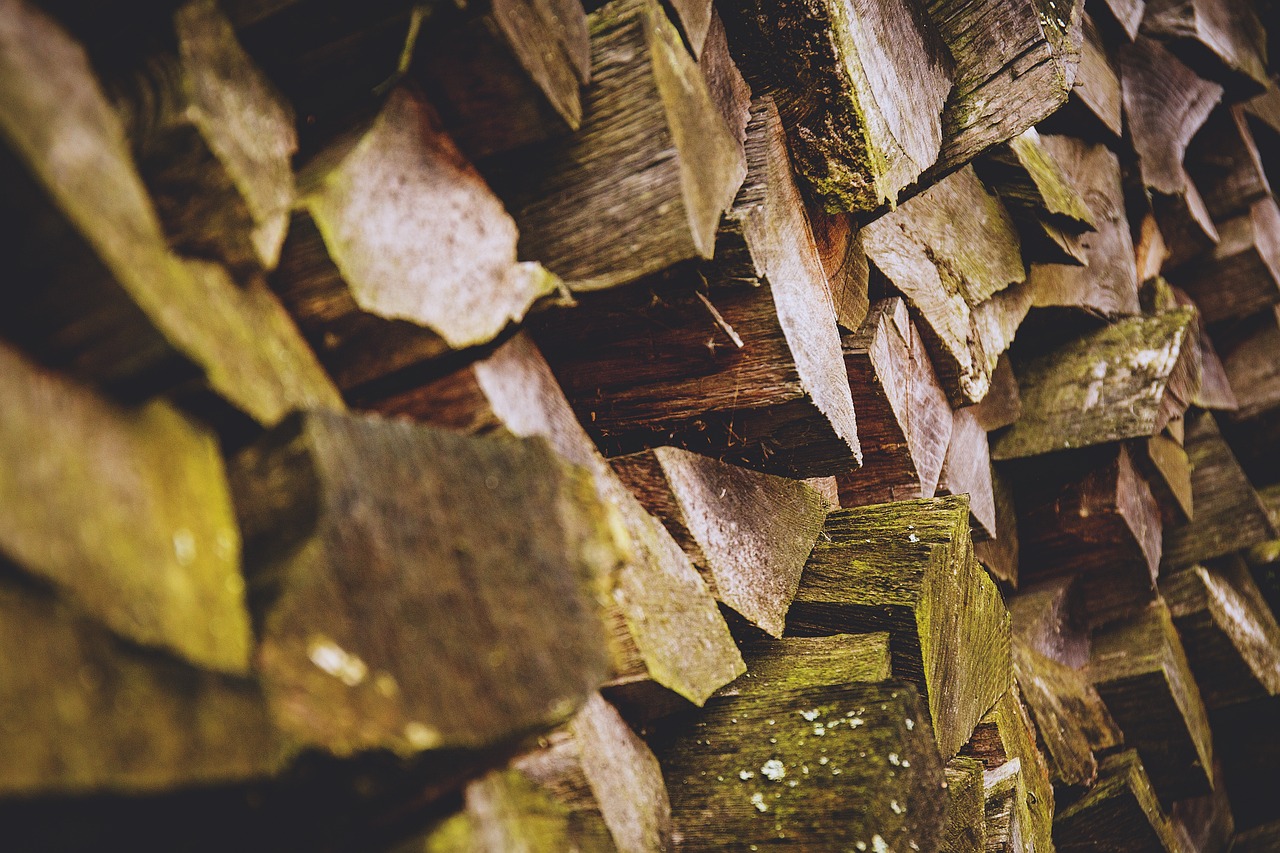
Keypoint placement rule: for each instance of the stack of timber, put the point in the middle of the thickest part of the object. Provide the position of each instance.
(548, 425)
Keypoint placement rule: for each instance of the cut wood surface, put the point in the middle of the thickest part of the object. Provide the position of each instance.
(1003, 403)
(1120, 813)
(789, 663)
(1224, 41)
(1241, 275)
(1096, 97)
(967, 471)
(966, 830)
(1253, 380)
(1224, 162)
(1001, 554)
(1047, 618)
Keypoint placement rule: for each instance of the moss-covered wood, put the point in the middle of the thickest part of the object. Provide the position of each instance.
(791, 663)
(388, 619)
(102, 295)
(748, 533)
(1141, 672)
(667, 630)
(840, 766)
(1029, 179)
(966, 830)
(904, 422)
(126, 511)
(908, 568)
(1120, 814)
(860, 87)
(1105, 386)
(650, 171)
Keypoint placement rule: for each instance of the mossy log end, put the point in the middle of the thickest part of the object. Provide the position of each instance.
(791, 663)
(1120, 814)
(373, 588)
(908, 568)
(748, 533)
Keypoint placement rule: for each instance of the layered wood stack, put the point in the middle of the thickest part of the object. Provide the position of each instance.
(515, 426)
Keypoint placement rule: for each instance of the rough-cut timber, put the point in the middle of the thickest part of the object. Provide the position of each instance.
(126, 511)
(860, 87)
(1107, 385)
(373, 270)
(1229, 515)
(790, 663)
(1241, 275)
(1224, 162)
(1015, 64)
(593, 786)
(1223, 40)
(908, 568)
(1108, 283)
(904, 422)
(729, 90)
(1228, 631)
(947, 251)
(966, 830)
(213, 143)
(748, 533)
(503, 73)
(103, 295)
(1252, 375)
(667, 630)
(1140, 670)
(739, 359)
(967, 471)
(1120, 814)
(388, 618)
(1003, 404)
(1165, 103)
(836, 767)
(79, 703)
(649, 173)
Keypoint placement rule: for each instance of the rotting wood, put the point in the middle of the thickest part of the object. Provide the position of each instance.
(748, 533)
(908, 568)
(1120, 814)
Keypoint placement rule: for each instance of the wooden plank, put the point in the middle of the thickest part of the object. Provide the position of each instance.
(1120, 813)
(749, 534)
(908, 568)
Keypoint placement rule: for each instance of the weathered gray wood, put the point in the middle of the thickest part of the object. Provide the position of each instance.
(947, 251)
(126, 511)
(860, 87)
(1222, 40)
(1140, 670)
(967, 471)
(1105, 386)
(1128, 14)
(840, 766)
(650, 171)
(1119, 815)
(966, 818)
(908, 568)
(1241, 275)
(729, 90)
(388, 618)
(904, 422)
(750, 374)
(667, 629)
(748, 533)
(1096, 99)
(101, 294)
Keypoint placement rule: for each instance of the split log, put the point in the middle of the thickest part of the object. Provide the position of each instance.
(1229, 516)
(373, 269)
(1222, 40)
(1019, 793)
(1120, 814)
(650, 171)
(1094, 108)
(967, 471)
(749, 374)
(1108, 284)
(947, 251)
(213, 142)
(1224, 163)
(860, 87)
(1015, 64)
(1167, 470)
(694, 17)
(387, 618)
(593, 786)
(904, 422)
(1115, 383)
(1001, 553)
(101, 293)
(908, 568)
(966, 830)
(1241, 275)
(841, 766)
(826, 486)
(668, 632)
(1252, 375)
(749, 534)
(729, 90)
(791, 663)
(1093, 515)
(1003, 404)
(1166, 103)
(1141, 672)
(126, 511)
(1215, 386)
(78, 702)
(1128, 14)
(1229, 633)
(1070, 717)
(1048, 619)
(1151, 250)
(1259, 839)
(844, 260)
(503, 74)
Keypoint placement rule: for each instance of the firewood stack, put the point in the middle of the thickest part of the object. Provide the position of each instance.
(513, 426)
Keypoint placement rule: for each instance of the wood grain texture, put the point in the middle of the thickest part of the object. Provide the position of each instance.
(966, 830)
(1001, 554)
(651, 169)
(904, 422)
(1030, 180)
(777, 665)
(1097, 90)
(967, 471)
(1048, 618)
(1120, 813)
(1253, 379)
(1241, 275)
(860, 87)
(1003, 403)
(1223, 41)
(844, 260)
(908, 568)
(748, 533)
(126, 511)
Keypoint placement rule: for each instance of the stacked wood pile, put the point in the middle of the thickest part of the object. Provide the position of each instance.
(507, 425)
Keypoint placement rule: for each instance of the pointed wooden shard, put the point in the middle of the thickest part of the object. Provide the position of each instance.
(1223, 40)
(1120, 814)
(967, 471)
(1241, 275)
